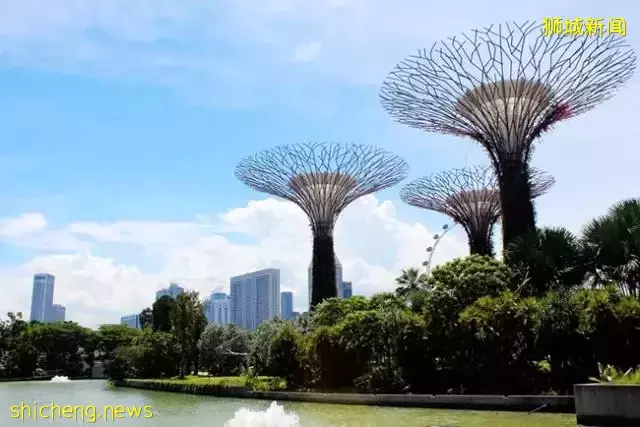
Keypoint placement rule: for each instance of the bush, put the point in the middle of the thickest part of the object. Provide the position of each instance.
(286, 355)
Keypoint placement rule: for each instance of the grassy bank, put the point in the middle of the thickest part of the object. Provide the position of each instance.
(238, 382)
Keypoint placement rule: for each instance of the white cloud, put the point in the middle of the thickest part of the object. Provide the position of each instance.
(185, 44)
(24, 224)
(306, 52)
(372, 243)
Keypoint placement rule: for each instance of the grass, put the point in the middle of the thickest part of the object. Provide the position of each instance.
(198, 380)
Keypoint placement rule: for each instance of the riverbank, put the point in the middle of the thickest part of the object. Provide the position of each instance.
(553, 404)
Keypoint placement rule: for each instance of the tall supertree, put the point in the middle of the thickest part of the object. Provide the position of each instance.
(504, 86)
(322, 179)
(470, 196)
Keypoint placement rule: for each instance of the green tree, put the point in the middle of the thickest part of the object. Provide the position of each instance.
(63, 345)
(146, 318)
(18, 356)
(546, 259)
(223, 349)
(260, 346)
(286, 355)
(454, 286)
(410, 280)
(333, 310)
(189, 321)
(563, 340)
(110, 337)
(504, 328)
(161, 313)
(612, 246)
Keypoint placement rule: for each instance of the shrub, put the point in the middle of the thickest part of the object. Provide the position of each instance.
(286, 355)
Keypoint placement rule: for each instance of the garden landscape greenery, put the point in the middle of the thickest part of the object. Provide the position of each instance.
(560, 309)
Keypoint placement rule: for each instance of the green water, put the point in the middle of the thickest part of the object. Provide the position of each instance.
(178, 410)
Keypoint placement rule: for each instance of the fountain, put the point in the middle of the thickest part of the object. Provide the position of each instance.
(60, 379)
(273, 416)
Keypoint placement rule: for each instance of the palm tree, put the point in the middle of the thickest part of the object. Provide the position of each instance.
(612, 247)
(410, 280)
(548, 258)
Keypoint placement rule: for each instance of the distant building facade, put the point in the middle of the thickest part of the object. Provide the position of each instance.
(131, 320)
(347, 289)
(255, 298)
(219, 309)
(58, 313)
(339, 291)
(42, 297)
(286, 305)
(172, 291)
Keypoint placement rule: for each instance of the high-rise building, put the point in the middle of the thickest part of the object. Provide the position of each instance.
(42, 297)
(131, 320)
(286, 305)
(219, 308)
(347, 289)
(58, 313)
(255, 298)
(172, 291)
(338, 279)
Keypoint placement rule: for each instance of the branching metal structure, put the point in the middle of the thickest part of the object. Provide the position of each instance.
(470, 196)
(322, 179)
(504, 86)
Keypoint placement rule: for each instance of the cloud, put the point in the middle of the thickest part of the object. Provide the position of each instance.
(24, 224)
(232, 47)
(372, 243)
(306, 52)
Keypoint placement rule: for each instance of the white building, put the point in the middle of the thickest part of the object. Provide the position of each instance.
(172, 291)
(339, 290)
(42, 297)
(58, 313)
(255, 298)
(219, 309)
(131, 320)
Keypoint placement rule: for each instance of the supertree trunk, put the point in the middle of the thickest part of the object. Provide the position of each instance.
(480, 244)
(518, 214)
(323, 269)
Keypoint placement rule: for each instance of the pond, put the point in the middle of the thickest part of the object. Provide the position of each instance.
(100, 400)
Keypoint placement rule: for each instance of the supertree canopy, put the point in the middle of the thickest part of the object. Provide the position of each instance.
(504, 86)
(470, 196)
(322, 178)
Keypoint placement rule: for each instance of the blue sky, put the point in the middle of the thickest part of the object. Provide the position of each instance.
(121, 123)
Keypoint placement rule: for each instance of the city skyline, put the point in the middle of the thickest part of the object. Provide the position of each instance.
(121, 134)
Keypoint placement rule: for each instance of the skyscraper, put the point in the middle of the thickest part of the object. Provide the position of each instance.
(58, 313)
(338, 278)
(255, 298)
(286, 305)
(219, 307)
(42, 297)
(347, 289)
(131, 320)
(172, 291)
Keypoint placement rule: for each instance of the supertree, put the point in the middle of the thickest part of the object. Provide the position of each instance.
(504, 86)
(470, 197)
(322, 179)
